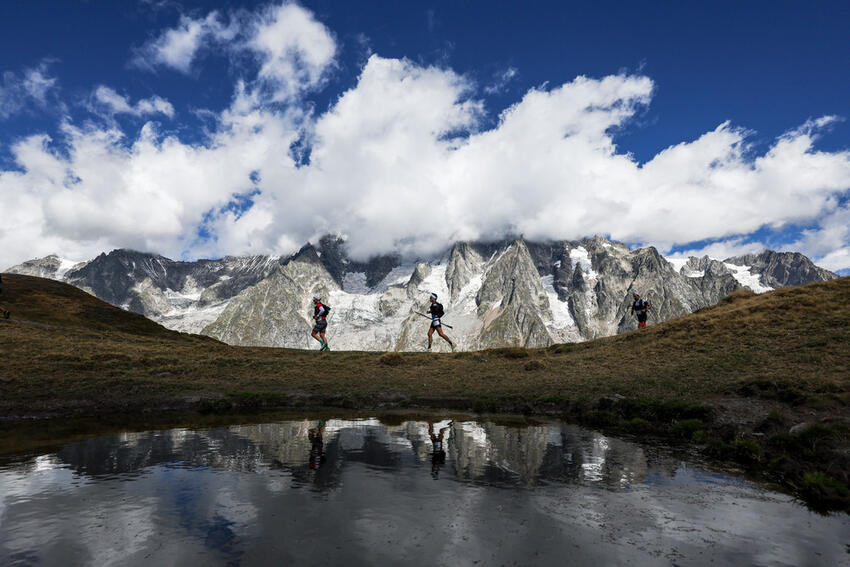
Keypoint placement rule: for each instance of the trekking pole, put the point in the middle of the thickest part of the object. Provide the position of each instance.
(429, 317)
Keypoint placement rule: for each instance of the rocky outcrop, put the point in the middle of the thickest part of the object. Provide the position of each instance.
(780, 269)
(511, 301)
(52, 267)
(157, 286)
(277, 311)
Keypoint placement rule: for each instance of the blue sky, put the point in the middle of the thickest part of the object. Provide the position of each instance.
(696, 123)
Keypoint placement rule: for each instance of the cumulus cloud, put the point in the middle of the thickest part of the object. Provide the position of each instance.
(113, 103)
(292, 49)
(401, 163)
(829, 242)
(177, 47)
(17, 91)
(295, 50)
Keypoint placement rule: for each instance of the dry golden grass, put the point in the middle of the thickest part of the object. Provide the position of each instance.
(66, 351)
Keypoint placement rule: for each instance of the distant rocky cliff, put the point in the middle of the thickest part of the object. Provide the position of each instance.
(510, 293)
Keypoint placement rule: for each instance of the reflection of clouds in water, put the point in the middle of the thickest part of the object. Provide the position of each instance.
(44, 474)
(229, 505)
(216, 497)
(124, 529)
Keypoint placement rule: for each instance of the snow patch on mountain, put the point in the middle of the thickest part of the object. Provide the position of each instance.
(581, 258)
(561, 318)
(746, 278)
(681, 266)
(466, 298)
(355, 282)
(678, 263)
(397, 276)
(191, 319)
(66, 265)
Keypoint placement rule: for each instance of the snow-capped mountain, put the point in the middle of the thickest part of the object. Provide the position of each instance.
(52, 267)
(495, 294)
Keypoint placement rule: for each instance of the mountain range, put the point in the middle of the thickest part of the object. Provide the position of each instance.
(508, 293)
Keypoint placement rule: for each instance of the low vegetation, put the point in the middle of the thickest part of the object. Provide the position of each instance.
(732, 379)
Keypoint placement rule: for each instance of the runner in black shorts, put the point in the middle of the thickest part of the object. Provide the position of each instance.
(320, 315)
(436, 311)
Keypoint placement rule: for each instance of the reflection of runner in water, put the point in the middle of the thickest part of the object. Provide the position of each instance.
(317, 445)
(438, 457)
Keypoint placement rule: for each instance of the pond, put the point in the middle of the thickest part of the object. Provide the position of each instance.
(373, 492)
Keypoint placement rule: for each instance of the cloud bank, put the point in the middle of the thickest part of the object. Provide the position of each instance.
(401, 163)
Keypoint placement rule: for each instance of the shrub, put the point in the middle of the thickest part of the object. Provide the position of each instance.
(514, 352)
(686, 428)
(747, 452)
(391, 359)
(639, 425)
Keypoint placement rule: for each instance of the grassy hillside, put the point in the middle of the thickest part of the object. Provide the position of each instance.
(62, 344)
(733, 377)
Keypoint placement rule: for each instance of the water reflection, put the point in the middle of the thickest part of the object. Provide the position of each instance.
(360, 492)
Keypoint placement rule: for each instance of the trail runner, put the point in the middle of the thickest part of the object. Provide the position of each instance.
(640, 306)
(320, 315)
(436, 311)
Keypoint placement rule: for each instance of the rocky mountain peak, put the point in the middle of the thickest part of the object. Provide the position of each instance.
(779, 269)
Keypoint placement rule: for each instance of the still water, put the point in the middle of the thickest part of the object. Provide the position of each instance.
(363, 492)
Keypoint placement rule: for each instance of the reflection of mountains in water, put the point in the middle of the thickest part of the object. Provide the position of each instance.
(477, 451)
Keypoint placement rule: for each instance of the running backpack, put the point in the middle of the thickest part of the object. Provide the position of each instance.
(438, 308)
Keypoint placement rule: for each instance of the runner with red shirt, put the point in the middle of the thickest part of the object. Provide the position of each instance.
(320, 315)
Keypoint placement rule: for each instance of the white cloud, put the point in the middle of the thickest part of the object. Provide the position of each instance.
(723, 249)
(295, 50)
(292, 49)
(829, 243)
(19, 91)
(114, 103)
(177, 47)
(400, 163)
(501, 81)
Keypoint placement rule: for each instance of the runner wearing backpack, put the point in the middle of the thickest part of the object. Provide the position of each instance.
(320, 315)
(641, 306)
(436, 311)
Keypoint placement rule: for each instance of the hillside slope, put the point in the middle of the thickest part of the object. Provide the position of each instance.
(49, 302)
(790, 339)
